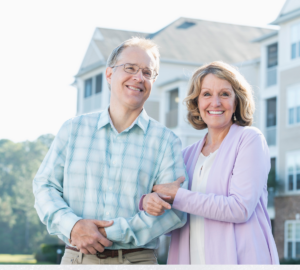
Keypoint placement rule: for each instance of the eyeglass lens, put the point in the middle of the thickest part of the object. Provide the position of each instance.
(133, 69)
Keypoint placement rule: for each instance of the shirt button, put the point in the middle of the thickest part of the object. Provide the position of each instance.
(107, 213)
(114, 162)
(110, 188)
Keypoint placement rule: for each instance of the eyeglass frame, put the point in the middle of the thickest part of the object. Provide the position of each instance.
(138, 70)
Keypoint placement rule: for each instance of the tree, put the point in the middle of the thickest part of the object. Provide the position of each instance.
(21, 230)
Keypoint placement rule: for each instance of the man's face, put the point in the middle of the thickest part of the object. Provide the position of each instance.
(131, 90)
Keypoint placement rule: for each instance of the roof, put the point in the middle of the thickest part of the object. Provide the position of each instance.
(288, 6)
(287, 17)
(190, 42)
(267, 36)
(90, 68)
(200, 41)
(113, 37)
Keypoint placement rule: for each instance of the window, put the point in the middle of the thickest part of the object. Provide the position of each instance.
(172, 114)
(272, 62)
(293, 171)
(271, 112)
(271, 121)
(174, 100)
(293, 100)
(99, 83)
(295, 41)
(272, 55)
(292, 239)
(88, 87)
(272, 183)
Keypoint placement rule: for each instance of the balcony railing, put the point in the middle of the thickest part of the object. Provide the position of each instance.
(271, 135)
(271, 76)
(172, 118)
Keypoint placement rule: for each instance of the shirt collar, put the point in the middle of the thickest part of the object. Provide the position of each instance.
(142, 120)
(104, 118)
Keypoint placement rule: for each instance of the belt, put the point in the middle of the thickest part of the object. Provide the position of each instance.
(110, 252)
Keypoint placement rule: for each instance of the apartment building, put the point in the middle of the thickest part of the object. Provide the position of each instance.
(280, 122)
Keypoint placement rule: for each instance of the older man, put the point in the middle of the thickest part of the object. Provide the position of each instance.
(88, 187)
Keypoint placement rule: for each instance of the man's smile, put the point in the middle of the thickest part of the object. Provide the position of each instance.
(134, 88)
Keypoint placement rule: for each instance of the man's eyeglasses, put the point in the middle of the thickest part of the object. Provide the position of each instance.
(134, 69)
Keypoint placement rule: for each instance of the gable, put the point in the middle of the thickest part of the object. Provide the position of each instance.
(98, 35)
(92, 56)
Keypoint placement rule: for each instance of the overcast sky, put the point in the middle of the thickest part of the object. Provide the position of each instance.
(43, 43)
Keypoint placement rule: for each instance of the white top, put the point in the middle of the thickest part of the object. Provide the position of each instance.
(201, 172)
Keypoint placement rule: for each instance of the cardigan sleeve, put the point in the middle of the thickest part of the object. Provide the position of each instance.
(248, 180)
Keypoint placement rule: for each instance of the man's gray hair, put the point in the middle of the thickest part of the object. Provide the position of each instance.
(143, 43)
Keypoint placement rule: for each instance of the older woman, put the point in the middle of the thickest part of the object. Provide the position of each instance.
(228, 171)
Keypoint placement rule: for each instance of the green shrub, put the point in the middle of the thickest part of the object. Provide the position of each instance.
(48, 253)
(290, 261)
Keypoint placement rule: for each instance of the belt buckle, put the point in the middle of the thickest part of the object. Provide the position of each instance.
(98, 255)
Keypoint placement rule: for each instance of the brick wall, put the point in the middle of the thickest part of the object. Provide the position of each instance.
(285, 209)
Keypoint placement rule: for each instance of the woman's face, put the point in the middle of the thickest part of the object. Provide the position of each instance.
(216, 102)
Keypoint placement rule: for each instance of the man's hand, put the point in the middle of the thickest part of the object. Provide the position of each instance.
(169, 189)
(155, 205)
(87, 236)
(102, 231)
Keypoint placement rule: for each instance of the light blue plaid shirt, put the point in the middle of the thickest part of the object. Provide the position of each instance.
(93, 172)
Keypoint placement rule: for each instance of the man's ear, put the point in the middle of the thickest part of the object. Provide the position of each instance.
(108, 74)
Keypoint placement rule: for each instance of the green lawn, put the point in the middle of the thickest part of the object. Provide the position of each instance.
(19, 259)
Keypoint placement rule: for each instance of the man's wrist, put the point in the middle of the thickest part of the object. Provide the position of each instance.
(76, 223)
(141, 208)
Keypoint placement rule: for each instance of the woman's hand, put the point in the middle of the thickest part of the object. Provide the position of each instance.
(169, 189)
(155, 205)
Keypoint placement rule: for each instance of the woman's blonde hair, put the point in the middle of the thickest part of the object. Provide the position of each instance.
(245, 106)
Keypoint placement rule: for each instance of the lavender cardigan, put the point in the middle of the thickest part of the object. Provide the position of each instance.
(237, 226)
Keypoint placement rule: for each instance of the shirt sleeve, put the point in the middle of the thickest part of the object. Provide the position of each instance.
(247, 183)
(142, 228)
(52, 209)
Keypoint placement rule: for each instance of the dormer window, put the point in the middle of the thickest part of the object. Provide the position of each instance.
(185, 25)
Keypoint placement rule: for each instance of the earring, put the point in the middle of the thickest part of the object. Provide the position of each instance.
(200, 117)
(234, 117)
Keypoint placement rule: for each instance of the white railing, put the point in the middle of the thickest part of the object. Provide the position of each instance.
(271, 135)
(91, 103)
(271, 76)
